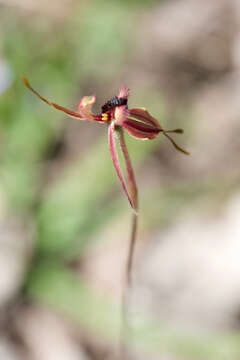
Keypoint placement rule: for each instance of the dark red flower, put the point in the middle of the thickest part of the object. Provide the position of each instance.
(116, 114)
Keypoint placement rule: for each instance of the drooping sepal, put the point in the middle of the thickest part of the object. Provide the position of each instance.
(116, 164)
(131, 182)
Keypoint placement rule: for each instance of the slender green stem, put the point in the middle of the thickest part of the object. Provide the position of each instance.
(132, 187)
(131, 249)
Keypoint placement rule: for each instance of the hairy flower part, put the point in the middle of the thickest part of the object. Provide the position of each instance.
(124, 92)
(115, 113)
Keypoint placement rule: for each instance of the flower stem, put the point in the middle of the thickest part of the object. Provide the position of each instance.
(131, 249)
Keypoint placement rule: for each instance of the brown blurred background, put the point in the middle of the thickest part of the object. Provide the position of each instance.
(64, 221)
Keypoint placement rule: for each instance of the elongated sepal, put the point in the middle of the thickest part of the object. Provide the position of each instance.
(179, 148)
(176, 131)
(116, 164)
(67, 111)
(131, 182)
(148, 127)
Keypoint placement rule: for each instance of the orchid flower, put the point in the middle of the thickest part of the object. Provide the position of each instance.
(116, 114)
(139, 124)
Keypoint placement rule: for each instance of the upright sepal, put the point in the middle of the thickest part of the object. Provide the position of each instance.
(124, 92)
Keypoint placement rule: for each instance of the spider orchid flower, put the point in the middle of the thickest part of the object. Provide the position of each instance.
(116, 114)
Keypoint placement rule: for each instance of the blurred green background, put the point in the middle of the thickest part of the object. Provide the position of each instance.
(64, 220)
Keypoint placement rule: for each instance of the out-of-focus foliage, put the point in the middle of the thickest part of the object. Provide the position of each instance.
(56, 175)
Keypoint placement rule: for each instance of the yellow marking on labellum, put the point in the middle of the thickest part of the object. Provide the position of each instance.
(104, 117)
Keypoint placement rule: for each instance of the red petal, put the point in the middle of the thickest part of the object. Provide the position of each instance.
(147, 120)
(144, 116)
(67, 111)
(86, 102)
(114, 155)
(140, 130)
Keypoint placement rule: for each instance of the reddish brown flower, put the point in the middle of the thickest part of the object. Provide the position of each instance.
(116, 114)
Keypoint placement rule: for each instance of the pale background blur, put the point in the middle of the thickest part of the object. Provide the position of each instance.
(64, 221)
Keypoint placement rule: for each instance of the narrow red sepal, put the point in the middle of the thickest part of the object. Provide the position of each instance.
(67, 111)
(115, 159)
